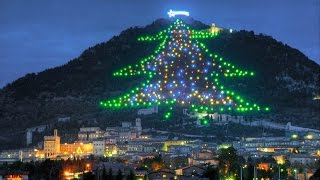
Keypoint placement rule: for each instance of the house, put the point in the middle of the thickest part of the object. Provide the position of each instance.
(90, 133)
(162, 174)
(190, 171)
(99, 147)
(126, 132)
(30, 132)
(203, 156)
(114, 167)
(19, 175)
(148, 111)
(179, 149)
(302, 159)
(76, 148)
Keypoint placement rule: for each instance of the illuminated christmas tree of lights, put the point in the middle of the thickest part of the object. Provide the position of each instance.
(182, 71)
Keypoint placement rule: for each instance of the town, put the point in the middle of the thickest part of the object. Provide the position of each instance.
(234, 96)
(145, 153)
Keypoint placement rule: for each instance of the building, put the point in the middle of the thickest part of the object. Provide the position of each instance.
(14, 175)
(29, 137)
(64, 119)
(175, 161)
(30, 131)
(23, 155)
(135, 147)
(139, 146)
(111, 139)
(138, 127)
(179, 149)
(302, 159)
(149, 148)
(99, 147)
(90, 133)
(125, 133)
(266, 144)
(141, 157)
(76, 148)
(172, 143)
(111, 132)
(148, 111)
(291, 128)
(264, 166)
(52, 145)
(111, 150)
(203, 156)
(215, 29)
(114, 167)
(190, 171)
(163, 174)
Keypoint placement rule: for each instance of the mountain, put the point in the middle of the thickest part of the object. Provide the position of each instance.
(286, 80)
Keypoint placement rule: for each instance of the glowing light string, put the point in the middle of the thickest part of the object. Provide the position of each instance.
(172, 13)
(182, 71)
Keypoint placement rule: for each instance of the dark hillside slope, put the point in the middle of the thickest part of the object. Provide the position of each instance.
(286, 80)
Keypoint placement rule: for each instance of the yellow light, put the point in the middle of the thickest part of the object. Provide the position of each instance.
(309, 136)
(280, 160)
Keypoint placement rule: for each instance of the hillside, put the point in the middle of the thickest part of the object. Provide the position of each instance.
(285, 79)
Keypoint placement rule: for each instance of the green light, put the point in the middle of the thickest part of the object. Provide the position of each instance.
(219, 68)
(224, 146)
(294, 136)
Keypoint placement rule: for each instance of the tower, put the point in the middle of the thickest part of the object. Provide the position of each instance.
(55, 132)
(29, 137)
(138, 126)
(52, 145)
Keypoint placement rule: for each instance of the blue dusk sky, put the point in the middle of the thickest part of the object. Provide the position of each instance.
(40, 34)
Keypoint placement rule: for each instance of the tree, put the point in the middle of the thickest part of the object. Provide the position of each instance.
(88, 176)
(153, 163)
(104, 173)
(183, 72)
(228, 161)
(131, 175)
(110, 175)
(119, 175)
(250, 171)
(211, 173)
(316, 175)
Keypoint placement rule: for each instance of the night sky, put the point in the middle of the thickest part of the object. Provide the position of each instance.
(35, 35)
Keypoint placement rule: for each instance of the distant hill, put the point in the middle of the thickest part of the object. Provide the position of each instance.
(286, 80)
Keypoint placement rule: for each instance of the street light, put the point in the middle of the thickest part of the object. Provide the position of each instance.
(241, 169)
(280, 170)
(295, 173)
(255, 172)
